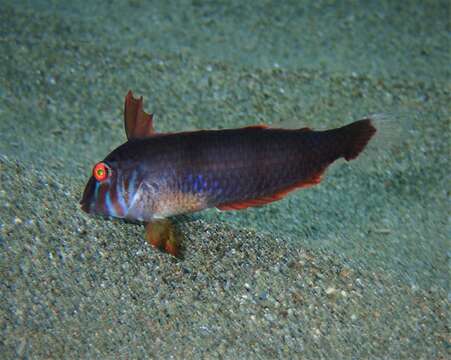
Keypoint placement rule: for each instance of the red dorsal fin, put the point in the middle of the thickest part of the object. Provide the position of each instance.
(256, 126)
(263, 126)
(240, 205)
(138, 124)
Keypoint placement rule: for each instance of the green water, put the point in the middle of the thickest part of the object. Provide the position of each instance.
(65, 69)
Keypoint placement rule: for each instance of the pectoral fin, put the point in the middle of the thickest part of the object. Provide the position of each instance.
(162, 235)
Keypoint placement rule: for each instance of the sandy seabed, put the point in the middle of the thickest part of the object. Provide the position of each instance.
(354, 268)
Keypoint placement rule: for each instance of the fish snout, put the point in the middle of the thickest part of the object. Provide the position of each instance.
(88, 195)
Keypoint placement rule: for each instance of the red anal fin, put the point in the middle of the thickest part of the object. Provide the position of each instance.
(240, 205)
(138, 124)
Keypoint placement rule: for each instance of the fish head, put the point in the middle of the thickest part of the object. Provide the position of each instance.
(117, 188)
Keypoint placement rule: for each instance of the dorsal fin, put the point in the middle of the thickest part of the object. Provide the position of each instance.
(263, 126)
(257, 126)
(137, 123)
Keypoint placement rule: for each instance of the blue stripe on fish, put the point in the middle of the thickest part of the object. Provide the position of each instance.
(195, 186)
(132, 187)
(120, 198)
(199, 184)
(96, 194)
(109, 204)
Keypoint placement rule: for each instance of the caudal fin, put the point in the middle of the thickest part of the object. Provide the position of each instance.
(356, 136)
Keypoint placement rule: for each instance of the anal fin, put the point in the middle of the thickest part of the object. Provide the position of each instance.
(280, 194)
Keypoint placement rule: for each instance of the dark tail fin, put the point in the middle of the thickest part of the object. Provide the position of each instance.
(356, 136)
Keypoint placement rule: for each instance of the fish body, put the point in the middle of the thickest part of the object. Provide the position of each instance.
(170, 174)
(155, 176)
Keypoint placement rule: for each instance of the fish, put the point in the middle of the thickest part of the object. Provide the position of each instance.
(153, 176)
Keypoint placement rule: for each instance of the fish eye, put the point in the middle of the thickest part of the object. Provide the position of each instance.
(101, 171)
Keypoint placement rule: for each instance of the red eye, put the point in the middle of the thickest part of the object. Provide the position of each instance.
(101, 171)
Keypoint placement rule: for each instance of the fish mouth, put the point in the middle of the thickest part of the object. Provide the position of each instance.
(85, 207)
(86, 199)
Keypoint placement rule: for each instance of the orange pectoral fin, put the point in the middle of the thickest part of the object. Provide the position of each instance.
(138, 124)
(162, 235)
